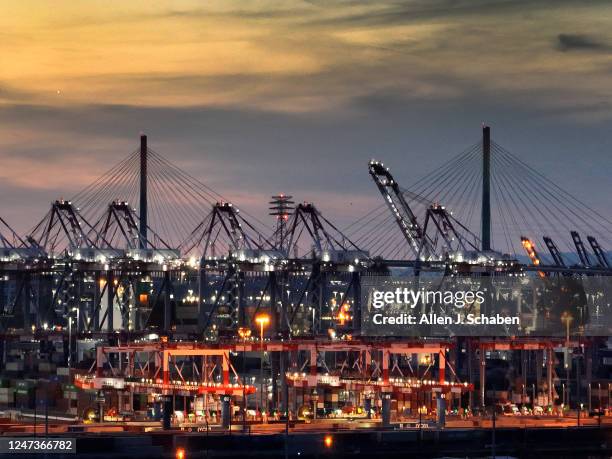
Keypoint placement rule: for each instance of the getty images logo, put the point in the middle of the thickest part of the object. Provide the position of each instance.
(411, 298)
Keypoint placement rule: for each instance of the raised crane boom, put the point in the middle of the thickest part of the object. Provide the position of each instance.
(581, 249)
(400, 209)
(554, 251)
(599, 252)
(530, 248)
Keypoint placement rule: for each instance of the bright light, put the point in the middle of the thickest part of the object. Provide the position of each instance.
(262, 319)
(566, 317)
(180, 453)
(329, 441)
(244, 332)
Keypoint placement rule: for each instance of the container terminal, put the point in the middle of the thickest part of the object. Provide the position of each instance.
(150, 311)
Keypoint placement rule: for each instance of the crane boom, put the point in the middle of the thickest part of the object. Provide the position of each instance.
(581, 249)
(554, 251)
(599, 252)
(404, 217)
(529, 247)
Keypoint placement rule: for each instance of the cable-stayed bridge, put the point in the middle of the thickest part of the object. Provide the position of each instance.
(147, 246)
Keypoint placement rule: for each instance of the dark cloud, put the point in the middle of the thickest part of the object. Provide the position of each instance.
(419, 10)
(581, 42)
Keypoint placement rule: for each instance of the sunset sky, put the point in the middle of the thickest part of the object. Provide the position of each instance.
(261, 97)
